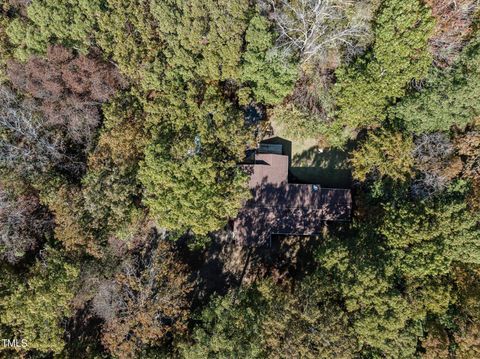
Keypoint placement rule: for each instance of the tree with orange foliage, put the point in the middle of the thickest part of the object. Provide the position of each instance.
(145, 301)
(454, 20)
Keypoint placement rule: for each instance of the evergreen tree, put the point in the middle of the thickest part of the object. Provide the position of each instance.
(190, 171)
(271, 76)
(34, 308)
(69, 23)
(399, 54)
(385, 154)
(450, 97)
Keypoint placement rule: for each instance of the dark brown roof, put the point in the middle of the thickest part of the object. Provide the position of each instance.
(290, 209)
(268, 168)
(279, 207)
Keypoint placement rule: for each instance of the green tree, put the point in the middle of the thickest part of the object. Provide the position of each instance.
(69, 23)
(308, 323)
(204, 39)
(399, 54)
(110, 187)
(426, 238)
(394, 269)
(195, 194)
(127, 34)
(270, 76)
(267, 321)
(293, 123)
(385, 153)
(190, 172)
(34, 309)
(230, 327)
(450, 97)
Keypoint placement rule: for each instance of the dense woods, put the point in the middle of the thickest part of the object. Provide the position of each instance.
(122, 124)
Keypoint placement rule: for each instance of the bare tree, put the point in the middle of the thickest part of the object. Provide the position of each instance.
(146, 300)
(317, 28)
(432, 150)
(434, 156)
(25, 145)
(23, 222)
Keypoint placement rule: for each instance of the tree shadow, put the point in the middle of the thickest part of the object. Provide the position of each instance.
(208, 267)
(329, 168)
(290, 256)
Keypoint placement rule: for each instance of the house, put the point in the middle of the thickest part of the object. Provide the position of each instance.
(279, 207)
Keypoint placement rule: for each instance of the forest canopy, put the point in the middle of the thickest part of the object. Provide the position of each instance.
(124, 130)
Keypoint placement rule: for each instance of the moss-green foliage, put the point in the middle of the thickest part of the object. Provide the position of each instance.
(5, 49)
(271, 76)
(189, 173)
(230, 327)
(451, 97)
(192, 195)
(166, 155)
(382, 316)
(308, 323)
(127, 34)
(204, 38)
(387, 154)
(427, 237)
(267, 321)
(294, 123)
(69, 22)
(195, 134)
(399, 55)
(394, 271)
(34, 308)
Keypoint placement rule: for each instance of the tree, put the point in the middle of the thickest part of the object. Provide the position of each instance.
(230, 327)
(126, 33)
(467, 318)
(23, 224)
(293, 123)
(35, 307)
(319, 29)
(265, 320)
(196, 194)
(435, 158)
(145, 301)
(393, 270)
(382, 318)
(453, 26)
(425, 238)
(436, 343)
(205, 38)
(190, 172)
(386, 154)
(449, 99)
(308, 323)
(69, 89)
(110, 187)
(69, 23)
(386, 309)
(72, 224)
(26, 147)
(270, 76)
(399, 54)
(468, 147)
